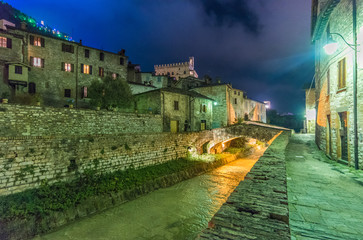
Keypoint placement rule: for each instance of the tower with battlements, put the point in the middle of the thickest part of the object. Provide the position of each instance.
(177, 70)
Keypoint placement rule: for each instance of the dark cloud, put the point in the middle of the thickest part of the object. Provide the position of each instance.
(232, 12)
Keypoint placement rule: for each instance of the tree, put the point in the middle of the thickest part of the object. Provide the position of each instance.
(110, 93)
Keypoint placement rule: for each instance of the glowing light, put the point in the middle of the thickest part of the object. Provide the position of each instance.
(310, 114)
(331, 48)
(215, 103)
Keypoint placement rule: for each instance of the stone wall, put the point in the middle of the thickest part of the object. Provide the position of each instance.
(25, 161)
(332, 99)
(20, 120)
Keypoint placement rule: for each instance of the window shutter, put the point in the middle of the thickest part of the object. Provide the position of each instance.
(63, 47)
(81, 68)
(42, 42)
(63, 66)
(31, 40)
(9, 43)
(90, 70)
(72, 49)
(31, 61)
(42, 63)
(72, 67)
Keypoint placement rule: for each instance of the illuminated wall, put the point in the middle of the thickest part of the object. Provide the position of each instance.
(177, 70)
(334, 100)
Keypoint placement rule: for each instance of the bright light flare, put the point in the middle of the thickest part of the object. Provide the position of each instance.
(331, 48)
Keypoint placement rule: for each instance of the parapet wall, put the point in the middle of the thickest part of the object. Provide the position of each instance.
(20, 120)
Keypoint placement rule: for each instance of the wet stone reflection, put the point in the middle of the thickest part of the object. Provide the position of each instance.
(177, 212)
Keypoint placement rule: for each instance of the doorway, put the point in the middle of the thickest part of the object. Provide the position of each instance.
(174, 126)
(328, 137)
(344, 135)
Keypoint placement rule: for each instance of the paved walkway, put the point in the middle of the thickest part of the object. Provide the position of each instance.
(325, 198)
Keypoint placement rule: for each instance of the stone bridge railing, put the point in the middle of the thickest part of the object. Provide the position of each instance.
(25, 161)
(259, 131)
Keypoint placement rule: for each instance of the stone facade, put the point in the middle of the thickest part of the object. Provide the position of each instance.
(181, 110)
(20, 120)
(60, 70)
(232, 105)
(310, 111)
(255, 110)
(335, 132)
(177, 70)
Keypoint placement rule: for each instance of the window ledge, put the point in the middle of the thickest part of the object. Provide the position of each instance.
(341, 90)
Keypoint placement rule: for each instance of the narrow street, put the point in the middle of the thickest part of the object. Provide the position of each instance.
(325, 198)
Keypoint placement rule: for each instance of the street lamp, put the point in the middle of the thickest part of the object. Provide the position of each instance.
(331, 47)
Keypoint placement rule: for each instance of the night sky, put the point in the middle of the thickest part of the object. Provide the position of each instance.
(260, 46)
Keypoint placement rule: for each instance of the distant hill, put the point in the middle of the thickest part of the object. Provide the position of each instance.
(15, 16)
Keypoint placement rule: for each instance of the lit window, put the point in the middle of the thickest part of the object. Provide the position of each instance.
(3, 42)
(84, 92)
(341, 74)
(67, 67)
(37, 42)
(37, 62)
(86, 69)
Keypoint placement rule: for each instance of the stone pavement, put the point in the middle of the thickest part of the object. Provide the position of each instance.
(325, 198)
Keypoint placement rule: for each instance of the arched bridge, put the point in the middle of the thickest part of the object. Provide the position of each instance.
(207, 140)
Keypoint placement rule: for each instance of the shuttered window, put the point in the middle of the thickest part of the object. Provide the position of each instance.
(67, 48)
(86, 53)
(86, 69)
(101, 72)
(342, 72)
(37, 41)
(67, 67)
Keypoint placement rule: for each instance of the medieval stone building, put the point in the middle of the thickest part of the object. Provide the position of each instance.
(35, 59)
(232, 105)
(181, 110)
(177, 70)
(337, 33)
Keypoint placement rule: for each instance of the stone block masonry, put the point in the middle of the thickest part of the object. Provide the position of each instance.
(20, 120)
(258, 208)
(26, 161)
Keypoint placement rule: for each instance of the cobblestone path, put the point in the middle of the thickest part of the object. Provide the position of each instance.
(325, 198)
